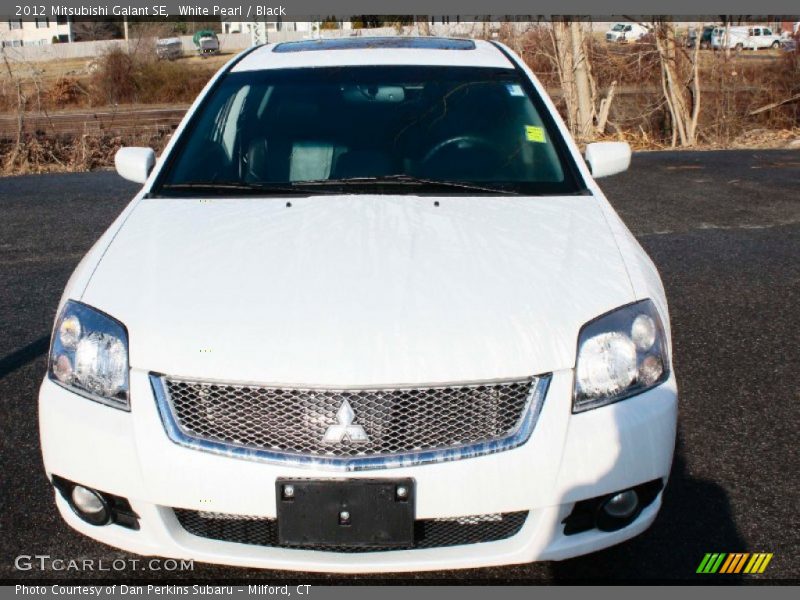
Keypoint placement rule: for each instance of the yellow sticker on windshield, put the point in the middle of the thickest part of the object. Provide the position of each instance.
(534, 134)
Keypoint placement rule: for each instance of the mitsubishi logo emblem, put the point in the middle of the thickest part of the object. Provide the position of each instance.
(344, 428)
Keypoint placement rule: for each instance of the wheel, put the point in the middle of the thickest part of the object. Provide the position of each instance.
(776, 44)
(739, 47)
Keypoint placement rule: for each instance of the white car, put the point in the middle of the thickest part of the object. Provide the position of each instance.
(626, 32)
(741, 38)
(369, 312)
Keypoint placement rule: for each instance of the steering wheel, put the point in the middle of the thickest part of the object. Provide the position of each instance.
(461, 142)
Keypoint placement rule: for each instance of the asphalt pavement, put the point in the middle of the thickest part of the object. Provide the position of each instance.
(723, 229)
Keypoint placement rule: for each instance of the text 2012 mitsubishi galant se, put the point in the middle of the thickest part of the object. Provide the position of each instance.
(369, 312)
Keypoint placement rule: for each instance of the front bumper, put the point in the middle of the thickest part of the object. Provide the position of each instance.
(568, 458)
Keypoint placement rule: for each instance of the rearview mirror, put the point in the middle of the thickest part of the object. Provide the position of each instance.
(608, 158)
(135, 164)
(374, 93)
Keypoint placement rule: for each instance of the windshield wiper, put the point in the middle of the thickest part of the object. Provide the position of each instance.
(402, 179)
(317, 186)
(222, 187)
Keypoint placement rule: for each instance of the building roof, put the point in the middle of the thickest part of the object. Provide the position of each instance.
(375, 51)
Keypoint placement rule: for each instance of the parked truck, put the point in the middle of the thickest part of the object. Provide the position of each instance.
(206, 42)
(752, 37)
(169, 48)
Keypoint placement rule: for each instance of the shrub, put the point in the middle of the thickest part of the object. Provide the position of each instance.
(64, 92)
(124, 78)
(114, 81)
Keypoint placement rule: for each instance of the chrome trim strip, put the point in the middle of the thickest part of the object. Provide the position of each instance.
(522, 433)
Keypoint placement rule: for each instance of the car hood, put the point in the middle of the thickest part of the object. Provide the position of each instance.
(359, 290)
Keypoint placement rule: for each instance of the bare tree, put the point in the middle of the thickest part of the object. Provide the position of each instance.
(563, 59)
(583, 86)
(680, 82)
(20, 104)
(586, 112)
(30, 97)
(86, 31)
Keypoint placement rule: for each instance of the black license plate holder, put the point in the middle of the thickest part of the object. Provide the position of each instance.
(378, 515)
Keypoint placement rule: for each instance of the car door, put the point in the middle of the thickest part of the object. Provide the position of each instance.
(762, 38)
(757, 38)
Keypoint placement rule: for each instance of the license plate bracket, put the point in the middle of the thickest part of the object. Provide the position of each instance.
(376, 514)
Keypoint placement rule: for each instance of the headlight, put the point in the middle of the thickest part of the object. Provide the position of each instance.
(620, 354)
(89, 355)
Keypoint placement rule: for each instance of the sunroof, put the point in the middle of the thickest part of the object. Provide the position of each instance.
(427, 43)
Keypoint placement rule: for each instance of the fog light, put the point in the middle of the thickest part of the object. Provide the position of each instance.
(622, 505)
(612, 511)
(618, 511)
(89, 505)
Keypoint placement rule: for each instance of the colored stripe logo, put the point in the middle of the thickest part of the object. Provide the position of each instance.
(737, 562)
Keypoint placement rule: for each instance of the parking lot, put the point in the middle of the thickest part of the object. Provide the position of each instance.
(724, 231)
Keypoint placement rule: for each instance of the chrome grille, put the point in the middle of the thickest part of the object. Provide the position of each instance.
(397, 421)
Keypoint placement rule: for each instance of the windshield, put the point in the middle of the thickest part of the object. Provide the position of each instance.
(413, 129)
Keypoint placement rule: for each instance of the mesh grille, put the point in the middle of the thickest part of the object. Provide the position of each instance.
(428, 533)
(377, 422)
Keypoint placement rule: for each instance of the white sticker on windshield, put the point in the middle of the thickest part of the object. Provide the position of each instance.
(514, 89)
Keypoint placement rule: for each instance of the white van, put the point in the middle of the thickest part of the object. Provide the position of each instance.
(626, 32)
(739, 38)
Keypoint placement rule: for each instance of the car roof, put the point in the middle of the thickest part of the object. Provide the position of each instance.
(375, 51)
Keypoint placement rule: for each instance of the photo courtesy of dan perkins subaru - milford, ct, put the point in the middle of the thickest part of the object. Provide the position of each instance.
(369, 312)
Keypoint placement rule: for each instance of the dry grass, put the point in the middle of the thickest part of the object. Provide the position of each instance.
(117, 77)
(69, 153)
(124, 78)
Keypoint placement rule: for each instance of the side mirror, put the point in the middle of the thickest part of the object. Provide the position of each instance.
(135, 164)
(608, 158)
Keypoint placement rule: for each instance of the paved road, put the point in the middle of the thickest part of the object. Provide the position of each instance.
(724, 230)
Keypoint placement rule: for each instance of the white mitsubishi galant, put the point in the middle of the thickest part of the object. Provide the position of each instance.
(369, 312)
